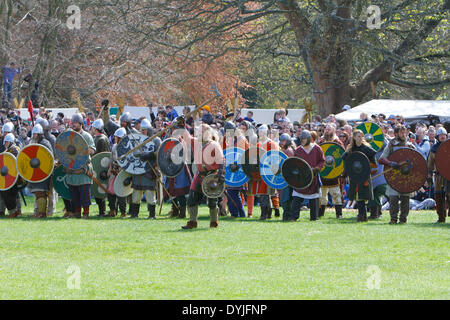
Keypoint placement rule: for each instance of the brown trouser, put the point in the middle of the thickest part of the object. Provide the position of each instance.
(394, 207)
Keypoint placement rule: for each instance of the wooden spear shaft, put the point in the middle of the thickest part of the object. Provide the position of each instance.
(390, 169)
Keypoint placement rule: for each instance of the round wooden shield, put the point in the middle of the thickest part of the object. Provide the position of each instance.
(442, 159)
(357, 166)
(35, 163)
(171, 157)
(270, 169)
(234, 175)
(132, 163)
(100, 164)
(71, 150)
(411, 175)
(59, 183)
(250, 162)
(334, 165)
(122, 184)
(297, 173)
(373, 134)
(211, 187)
(8, 171)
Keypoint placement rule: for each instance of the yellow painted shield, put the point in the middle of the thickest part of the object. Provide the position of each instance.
(8, 171)
(373, 134)
(35, 163)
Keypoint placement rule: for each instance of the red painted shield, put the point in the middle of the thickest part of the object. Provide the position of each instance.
(411, 175)
(442, 160)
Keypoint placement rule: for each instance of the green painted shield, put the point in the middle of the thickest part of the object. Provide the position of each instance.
(373, 134)
(100, 164)
(334, 166)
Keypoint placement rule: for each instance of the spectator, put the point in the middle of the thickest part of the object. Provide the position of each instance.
(207, 116)
(171, 113)
(422, 142)
(249, 117)
(9, 72)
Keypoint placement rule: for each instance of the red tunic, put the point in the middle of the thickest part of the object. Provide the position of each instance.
(315, 159)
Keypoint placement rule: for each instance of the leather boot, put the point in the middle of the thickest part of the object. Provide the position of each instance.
(277, 212)
(214, 216)
(174, 212)
(151, 211)
(269, 213)
(2, 213)
(111, 214)
(338, 209)
(182, 214)
(134, 210)
(263, 213)
(190, 225)
(68, 214)
(322, 211)
(373, 213)
(193, 213)
(440, 207)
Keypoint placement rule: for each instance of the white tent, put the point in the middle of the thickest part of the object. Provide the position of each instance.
(68, 112)
(259, 115)
(411, 110)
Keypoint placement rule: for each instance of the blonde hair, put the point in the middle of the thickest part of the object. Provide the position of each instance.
(353, 143)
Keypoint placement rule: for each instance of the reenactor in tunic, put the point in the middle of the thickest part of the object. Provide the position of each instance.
(441, 184)
(399, 142)
(10, 196)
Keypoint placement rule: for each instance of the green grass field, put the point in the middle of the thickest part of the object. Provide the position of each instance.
(242, 259)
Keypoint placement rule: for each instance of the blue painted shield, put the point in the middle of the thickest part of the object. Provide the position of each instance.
(270, 169)
(72, 150)
(234, 175)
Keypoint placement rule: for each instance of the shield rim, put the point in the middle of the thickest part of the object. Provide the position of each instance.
(52, 162)
(419, 156)
(212, 175)
(264, 177)
(373, 145)
(53, 177)
(240, 167)
(312, 174)
(17, 170)
(157, 158)
(95, 186)
(436, 162)
(343, 151)
(369, 171)
(56, 153)
(115, 181)
(131, 154)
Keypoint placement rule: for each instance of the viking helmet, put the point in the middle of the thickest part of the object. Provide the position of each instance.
(7, 128)
(9, 138)
(77, 118)
(98, 124)
(126, 117)
(37, 129)
(145, 124)
(43, 122)
(120, 133)
(306, 135)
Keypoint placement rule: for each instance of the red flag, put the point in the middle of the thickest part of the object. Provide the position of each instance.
(30, 110)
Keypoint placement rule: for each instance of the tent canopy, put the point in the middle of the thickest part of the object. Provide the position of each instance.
(412, 111)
